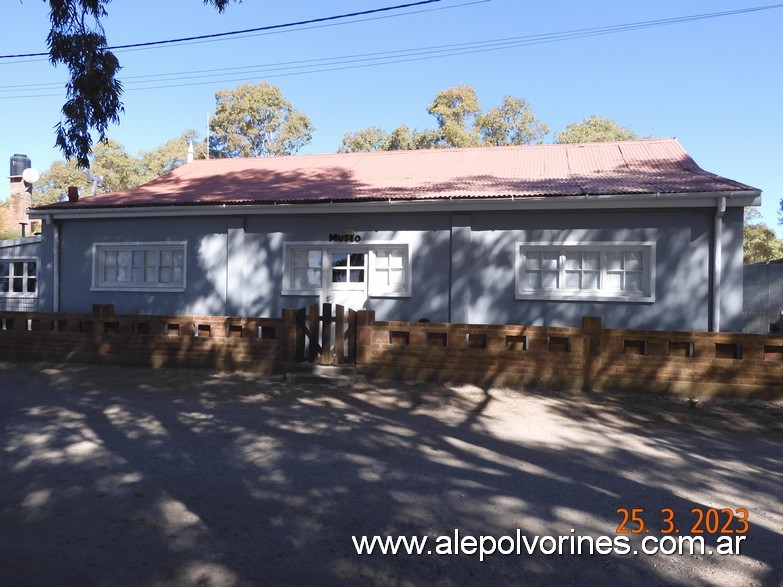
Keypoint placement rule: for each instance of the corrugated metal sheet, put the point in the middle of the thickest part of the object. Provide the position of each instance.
(629, 167)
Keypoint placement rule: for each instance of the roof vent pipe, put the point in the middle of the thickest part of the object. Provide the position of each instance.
(73, 194)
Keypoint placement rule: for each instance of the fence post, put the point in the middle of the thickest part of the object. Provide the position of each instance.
(314, 332)
(592, 331)
(288, 346)
(364, 322)
(326, 335)
(101, 313)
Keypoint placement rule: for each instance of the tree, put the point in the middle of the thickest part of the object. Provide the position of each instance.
(171, 154)
(371, 138)
(118, 169)
(461, 123)
(402, 138)
(55, 181)
(454, 109)
(512, 123)
(93, 92)
(595, 129)
(759, 243)
(255, 120)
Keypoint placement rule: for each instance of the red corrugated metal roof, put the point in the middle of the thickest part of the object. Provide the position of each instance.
(629, 167)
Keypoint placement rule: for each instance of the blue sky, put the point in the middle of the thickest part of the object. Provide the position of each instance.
(715, 84)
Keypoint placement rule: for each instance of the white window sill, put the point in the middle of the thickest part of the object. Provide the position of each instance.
(583, 297)
(300, 292)
(140, 288)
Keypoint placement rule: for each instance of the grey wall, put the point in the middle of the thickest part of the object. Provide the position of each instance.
(27, 248)
(462, 265)
(682, 267)
(762, 296)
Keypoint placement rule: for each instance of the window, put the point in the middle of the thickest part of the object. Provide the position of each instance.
(139, 266)
(598, 272)
(307, 269)
(303, 270)
(390, 271)
(315, 268)
(18, 278)
(348, 268)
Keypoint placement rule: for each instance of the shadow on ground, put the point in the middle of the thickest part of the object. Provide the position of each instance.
(131, 476)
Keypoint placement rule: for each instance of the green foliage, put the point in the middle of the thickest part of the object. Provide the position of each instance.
(93, 92)
(369, 139)
(512, 123)
(461, 123)
(119, 169)
(255, 120)
(595, 129)
(402, 138)
(759, 242)
(7, 232)
(455, 109)
(171, 154)
(54, 182)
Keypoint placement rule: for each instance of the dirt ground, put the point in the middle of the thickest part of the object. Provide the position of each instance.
(118, 476)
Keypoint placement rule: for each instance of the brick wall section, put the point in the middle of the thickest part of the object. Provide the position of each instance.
(214, 342)
(688, 363)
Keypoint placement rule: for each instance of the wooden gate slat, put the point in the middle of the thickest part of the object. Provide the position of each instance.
(301, 332)
(339, 334)
(351, 336)
(313, 333)
(326, 335)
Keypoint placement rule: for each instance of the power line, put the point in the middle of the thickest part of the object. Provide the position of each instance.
(346, 62)
(319, 26)
(245, 31)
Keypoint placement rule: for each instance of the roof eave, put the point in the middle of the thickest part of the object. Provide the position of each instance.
(577, 202)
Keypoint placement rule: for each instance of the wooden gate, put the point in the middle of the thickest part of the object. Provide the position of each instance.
(327, 337)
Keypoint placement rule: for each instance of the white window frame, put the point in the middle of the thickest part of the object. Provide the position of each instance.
(25, 277)
(98, 266)
(385, 290)
(289, 289)
(646, 248)
(374, 288)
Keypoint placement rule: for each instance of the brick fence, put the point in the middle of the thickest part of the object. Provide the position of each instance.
(590, 357)
(213, 342)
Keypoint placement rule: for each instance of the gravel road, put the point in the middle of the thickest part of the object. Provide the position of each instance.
(118, 476)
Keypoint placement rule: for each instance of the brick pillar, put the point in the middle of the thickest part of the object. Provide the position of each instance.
(592, 331)
(288, 337)
(364, 322)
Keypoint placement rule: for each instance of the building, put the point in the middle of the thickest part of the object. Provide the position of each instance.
(634, 232)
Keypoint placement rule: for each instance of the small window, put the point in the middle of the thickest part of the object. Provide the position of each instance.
(18, 278)
(139, 266)
(348, 267)
(598, 272)
(304, 268)
(390, 271)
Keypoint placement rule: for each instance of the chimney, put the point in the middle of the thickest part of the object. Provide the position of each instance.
(190, 152)
(21, 196)
(73, 194)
